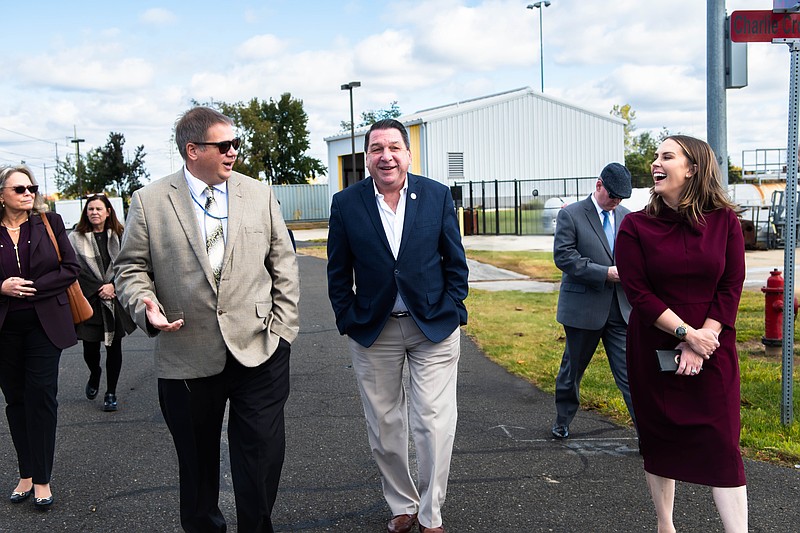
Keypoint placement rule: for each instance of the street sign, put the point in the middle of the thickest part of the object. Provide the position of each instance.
(763, 26)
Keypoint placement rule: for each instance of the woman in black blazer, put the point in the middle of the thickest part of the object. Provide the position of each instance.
(35, 325)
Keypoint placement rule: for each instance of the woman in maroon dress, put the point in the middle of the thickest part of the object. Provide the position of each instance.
(681, 263)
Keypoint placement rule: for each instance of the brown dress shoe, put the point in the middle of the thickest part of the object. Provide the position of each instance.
(423, 529)
(402, 523)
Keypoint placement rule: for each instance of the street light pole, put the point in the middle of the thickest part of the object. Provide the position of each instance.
(78, 165)
(349, 87)
(538, 5)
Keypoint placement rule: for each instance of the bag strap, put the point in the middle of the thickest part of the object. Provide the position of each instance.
(52, 235)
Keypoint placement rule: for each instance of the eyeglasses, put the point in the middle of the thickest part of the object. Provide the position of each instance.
(223, 146)
(20, 189)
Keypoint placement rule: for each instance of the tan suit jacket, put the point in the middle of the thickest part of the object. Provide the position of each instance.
(163, 257)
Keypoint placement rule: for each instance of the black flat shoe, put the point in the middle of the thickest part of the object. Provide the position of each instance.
(43, 504)
(110, 402)
(93, 385)
(19, 497)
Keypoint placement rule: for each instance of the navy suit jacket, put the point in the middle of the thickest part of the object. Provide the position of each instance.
(430, 271)
(50, 279)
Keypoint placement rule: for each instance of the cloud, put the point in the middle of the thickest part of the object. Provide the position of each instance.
(75, 71)
(482, 37)
(157, 16)
(388, 59)
(260, 47)
(628, 31)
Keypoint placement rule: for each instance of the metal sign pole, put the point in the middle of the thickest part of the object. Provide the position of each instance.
(790, 245)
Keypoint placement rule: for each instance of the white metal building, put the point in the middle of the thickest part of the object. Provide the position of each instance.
(519, 134)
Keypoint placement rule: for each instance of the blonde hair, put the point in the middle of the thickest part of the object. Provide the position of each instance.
(39, 206)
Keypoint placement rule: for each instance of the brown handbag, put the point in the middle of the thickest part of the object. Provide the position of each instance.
(80, 306)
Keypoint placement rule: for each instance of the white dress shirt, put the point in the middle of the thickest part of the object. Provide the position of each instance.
(393, 227)
(197, 189)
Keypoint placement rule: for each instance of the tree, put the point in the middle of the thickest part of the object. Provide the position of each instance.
(626, 113)
(106, 169)
(638, 160)
(734, 173)
(374, 115)
(275, 136)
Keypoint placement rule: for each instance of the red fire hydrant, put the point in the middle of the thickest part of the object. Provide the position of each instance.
(773, 313)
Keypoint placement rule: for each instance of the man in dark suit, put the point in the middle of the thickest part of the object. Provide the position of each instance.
(206, 265)
(397, 280)
(591, 302)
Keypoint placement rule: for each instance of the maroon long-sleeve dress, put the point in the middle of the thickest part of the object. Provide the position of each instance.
(688, 425)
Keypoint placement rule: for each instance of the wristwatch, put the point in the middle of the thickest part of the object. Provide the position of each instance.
(680, 331)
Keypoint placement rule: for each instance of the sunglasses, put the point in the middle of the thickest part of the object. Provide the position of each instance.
(20, 189)
(223, 146)
(95, 195)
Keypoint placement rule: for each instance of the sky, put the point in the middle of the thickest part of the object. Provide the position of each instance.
(91, 68)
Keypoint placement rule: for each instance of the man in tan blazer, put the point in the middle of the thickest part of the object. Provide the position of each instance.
(207, 267)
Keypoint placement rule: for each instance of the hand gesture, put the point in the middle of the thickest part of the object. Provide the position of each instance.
(157, 318)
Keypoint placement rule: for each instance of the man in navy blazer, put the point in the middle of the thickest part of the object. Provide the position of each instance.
(397, 280)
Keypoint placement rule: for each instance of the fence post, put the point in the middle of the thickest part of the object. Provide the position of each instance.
(517, 209)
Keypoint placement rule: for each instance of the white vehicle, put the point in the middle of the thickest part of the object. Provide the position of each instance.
(551, 208)
(637, 201)
(70, 210)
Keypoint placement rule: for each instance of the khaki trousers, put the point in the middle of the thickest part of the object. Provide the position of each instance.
(430, 408)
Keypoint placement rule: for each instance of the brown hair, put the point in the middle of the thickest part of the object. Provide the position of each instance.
(193, 126)
(112, 222)
(703, 192)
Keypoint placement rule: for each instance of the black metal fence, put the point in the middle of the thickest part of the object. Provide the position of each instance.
(517, 207)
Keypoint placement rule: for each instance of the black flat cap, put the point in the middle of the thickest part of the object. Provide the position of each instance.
(617, 180)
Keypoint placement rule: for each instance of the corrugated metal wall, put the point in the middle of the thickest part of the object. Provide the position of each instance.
(527, 137)
(303, 202)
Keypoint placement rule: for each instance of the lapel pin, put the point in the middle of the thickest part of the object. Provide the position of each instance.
(413, 196)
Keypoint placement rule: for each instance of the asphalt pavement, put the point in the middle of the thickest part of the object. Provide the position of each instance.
(117, 472)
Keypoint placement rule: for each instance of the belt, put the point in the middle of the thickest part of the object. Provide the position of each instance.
(400, 314)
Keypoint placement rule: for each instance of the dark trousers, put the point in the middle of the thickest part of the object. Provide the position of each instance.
(91, 354)
(29, 379)
(194, 410)
(580, 347)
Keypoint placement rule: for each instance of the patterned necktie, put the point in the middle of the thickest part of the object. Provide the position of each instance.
(215, 241)
(609, 229)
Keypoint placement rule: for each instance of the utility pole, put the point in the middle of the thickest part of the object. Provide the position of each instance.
(78, 164)
(716, 99)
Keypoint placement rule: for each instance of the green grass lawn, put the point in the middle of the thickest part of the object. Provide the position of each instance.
(519, 332)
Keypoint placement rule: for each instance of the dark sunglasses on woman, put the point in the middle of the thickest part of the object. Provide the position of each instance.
(20, 189)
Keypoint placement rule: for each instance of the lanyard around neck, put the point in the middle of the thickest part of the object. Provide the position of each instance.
(201, 206)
